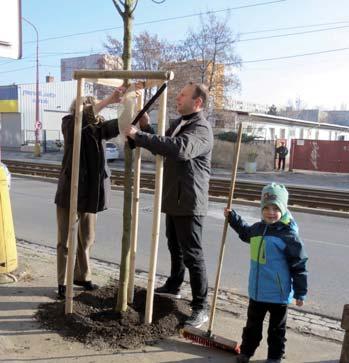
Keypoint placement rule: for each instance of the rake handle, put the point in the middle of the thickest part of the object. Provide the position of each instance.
(225, 228)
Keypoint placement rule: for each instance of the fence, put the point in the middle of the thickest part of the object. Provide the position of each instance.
(320, 155)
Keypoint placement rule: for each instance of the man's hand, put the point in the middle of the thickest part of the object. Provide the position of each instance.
(130, 131)
(139, 86)
(299, 302)
(144, 121)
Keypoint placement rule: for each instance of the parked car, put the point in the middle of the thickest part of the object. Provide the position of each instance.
(52, 145)
(111, 151)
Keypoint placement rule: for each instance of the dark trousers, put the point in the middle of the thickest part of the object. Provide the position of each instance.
(184, 235)
(281, 161)
(252, 333)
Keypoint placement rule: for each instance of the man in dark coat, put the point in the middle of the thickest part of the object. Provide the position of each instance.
(93, 190)
(187, 147)
(282, 152)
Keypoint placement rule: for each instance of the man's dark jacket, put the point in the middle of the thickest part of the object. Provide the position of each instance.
(94, 182)
(282, 151)
(187, 165)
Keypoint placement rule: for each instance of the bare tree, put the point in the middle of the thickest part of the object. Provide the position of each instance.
(113, 46)
(211, 50)
(149, 52)
(126, 9)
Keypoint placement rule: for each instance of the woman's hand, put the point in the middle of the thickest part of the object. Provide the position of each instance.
(117, 95)
(227, 211)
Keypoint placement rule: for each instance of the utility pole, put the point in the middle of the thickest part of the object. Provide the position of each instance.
(38, 124)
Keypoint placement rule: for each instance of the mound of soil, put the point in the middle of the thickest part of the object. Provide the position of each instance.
(94, 321)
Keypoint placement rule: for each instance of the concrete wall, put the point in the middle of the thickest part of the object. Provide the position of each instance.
(223, 152)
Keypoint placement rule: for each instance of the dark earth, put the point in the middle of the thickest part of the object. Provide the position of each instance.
(95, 323)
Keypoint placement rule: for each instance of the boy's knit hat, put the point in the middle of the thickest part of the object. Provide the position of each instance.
(275, 194)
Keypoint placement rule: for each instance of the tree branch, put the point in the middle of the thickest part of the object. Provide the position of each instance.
(134, 8)
(115, 2)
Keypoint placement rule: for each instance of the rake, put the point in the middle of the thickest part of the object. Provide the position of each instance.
(207, 338)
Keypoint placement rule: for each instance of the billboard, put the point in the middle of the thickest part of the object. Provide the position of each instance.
(10, 29)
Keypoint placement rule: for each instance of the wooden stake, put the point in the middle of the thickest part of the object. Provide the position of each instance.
(221, 254)
(156, 215)
(73, 220)
(88, 73)
(135, 213)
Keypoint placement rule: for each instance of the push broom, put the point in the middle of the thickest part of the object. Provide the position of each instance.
(207, 338)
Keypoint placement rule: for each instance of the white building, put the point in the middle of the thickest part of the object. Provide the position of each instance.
(55, 98)
(269, 127)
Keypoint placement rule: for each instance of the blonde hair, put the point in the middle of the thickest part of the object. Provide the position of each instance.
(86, 101)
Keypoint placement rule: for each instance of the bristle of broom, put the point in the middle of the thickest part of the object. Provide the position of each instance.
(212, 341)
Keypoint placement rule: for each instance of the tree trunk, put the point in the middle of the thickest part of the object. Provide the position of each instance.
(127, 217)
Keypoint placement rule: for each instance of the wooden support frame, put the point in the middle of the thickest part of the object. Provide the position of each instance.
(135, 213)
(156, 215)
(156, 75)
(73, 215)
(81, 77)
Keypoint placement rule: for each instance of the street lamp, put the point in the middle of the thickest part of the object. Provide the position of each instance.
(37, 118)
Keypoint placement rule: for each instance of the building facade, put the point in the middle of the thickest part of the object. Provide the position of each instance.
(93, 61)
(17, 110)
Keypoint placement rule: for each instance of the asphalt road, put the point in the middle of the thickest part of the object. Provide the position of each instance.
(326, 240)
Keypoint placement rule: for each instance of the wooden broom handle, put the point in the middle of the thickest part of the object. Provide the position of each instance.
(225, 228)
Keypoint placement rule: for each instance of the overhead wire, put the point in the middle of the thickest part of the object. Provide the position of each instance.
(49, 54)
(160, 20)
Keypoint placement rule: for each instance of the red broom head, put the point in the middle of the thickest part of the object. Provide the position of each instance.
(211, 341)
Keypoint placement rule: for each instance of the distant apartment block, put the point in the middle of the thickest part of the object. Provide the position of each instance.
(93, 61)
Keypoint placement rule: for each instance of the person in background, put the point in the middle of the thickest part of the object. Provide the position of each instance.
(187, 147)
(282, 152)
(93, 190)
(278, 272)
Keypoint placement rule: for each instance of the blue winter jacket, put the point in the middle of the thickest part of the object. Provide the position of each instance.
(278, 260)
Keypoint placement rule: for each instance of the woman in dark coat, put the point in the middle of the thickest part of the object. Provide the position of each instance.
(94, 186)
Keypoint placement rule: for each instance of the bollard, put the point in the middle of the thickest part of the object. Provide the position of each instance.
(345, 326)
(8, 250)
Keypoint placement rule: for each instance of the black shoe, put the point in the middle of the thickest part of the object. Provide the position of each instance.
(61, 292)
(165, 290)
(270, 360)
(198, 317)
(87, 285)
(242, 358)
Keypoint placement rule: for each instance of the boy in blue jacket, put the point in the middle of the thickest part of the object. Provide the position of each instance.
(278, 272)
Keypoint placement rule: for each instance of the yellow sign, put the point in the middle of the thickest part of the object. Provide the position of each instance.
(8, 106)
(8, 249)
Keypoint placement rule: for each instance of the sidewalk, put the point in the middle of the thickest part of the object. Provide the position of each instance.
(23, 340)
